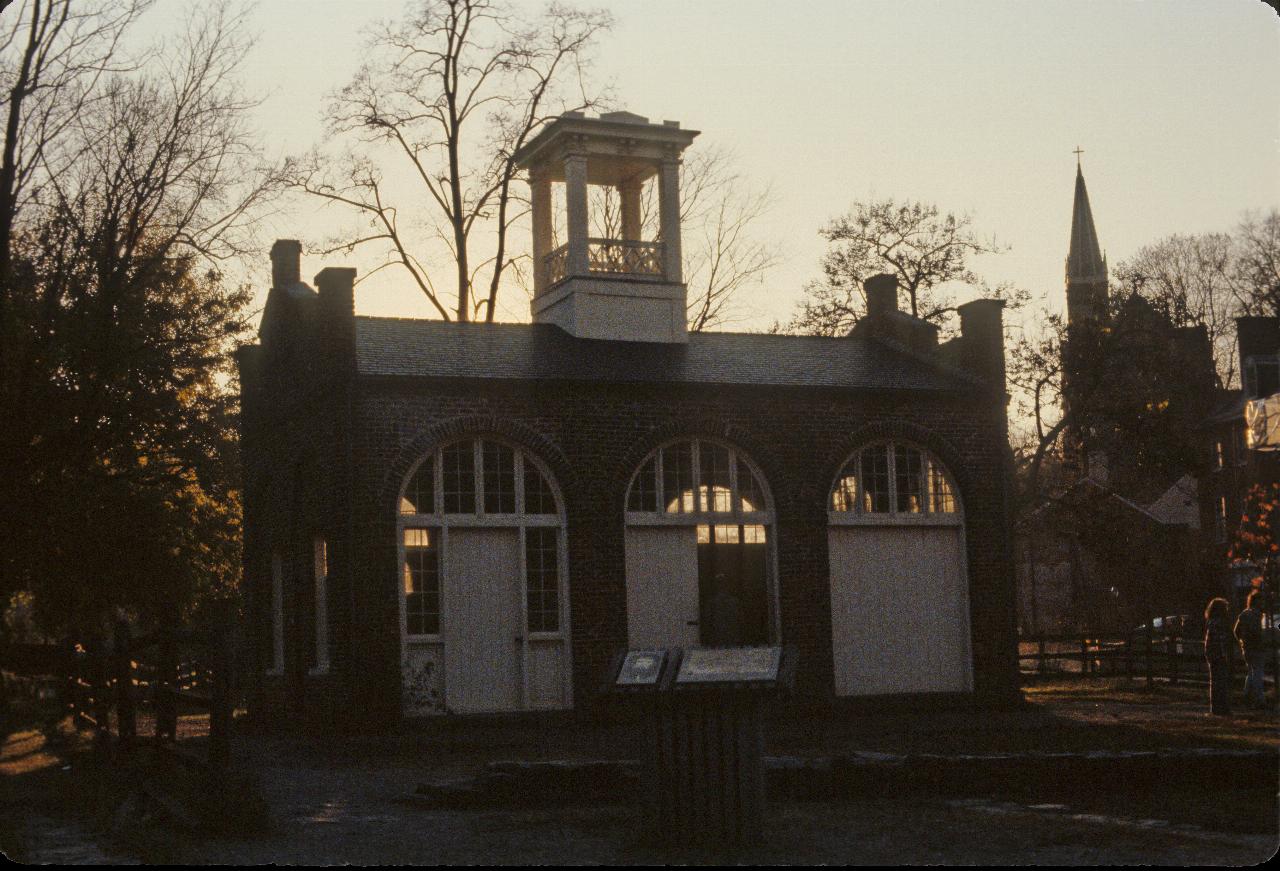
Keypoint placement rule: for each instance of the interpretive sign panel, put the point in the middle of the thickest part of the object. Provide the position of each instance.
(729, 665)
(641, 668)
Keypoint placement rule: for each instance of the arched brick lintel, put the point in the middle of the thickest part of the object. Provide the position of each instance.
(456, 429)
(776, 481)
(897, 430)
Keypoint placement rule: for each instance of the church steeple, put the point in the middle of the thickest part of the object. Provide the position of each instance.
(1086, 314)
(1086, 265)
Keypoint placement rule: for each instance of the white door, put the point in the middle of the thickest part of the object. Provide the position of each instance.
(480, 620)
(899, 610)
(662, 586)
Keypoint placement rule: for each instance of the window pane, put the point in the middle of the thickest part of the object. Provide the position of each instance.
(677, 478)
(458, 475)
(944, 498)
(909, 474)
(750, 493)
(538, 498)
(499, 479)
(875, 478)
(644, 488)
(726, 534)
(541, 579)
(420, 493)
(421, 581)
(753, 534)
(714, 469)
(845, 495)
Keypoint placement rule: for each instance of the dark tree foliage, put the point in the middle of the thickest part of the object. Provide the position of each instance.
(133, 179)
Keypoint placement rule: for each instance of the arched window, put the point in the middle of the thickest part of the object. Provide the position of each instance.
(893, 480)
(483, 574)
(699, 539)
(896, 552)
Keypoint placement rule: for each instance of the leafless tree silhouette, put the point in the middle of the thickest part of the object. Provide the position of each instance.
(452, 91)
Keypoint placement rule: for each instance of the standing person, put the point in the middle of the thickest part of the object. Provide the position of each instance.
(1248, 632)
(1217, 652)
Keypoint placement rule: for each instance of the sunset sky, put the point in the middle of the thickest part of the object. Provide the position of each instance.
(976, 106)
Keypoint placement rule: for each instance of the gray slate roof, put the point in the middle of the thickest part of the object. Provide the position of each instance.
(522, 352)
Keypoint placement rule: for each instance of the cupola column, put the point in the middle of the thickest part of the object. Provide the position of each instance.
(540, 202)
(629, 195)
(575, 195)
(669, 209)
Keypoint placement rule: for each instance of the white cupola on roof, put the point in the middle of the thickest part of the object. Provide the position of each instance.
(626, 288)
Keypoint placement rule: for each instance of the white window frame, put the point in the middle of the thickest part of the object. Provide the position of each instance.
(700, 515)
(320, 568)
(277, 615)
(519, 520)
(892, 517)
(764, 516)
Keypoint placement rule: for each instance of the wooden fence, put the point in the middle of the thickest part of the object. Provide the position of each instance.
(113, 688)
(1138, 655)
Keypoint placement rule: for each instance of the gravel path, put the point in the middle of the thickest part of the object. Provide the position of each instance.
(347, 811)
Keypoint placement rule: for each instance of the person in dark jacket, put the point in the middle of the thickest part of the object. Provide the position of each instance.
(1217, 652)
(1248, 632)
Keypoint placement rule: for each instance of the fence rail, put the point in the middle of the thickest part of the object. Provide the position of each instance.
(131, 691)
(1095, 655)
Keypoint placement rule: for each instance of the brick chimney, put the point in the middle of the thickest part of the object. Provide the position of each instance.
(982, 338)
(336, 285)
(882, 294)
(335, 330)
(286, 263)
(884, 321)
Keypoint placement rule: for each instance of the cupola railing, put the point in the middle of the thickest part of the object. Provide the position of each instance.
(610, 257)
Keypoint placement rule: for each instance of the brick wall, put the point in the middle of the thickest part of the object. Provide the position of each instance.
(326, 455)
(594, 437)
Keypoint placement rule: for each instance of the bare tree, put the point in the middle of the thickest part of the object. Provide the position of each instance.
(1210, 279)
(53, 55)
(722, 255)
(720, 209)
(453, 91)
(914, 241)
(1257, 264)
(1192, 281)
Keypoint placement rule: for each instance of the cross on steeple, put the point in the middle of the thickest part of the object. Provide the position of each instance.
(1079, 151)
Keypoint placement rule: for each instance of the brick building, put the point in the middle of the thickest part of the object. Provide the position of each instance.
(445, 517)
(1234, 466)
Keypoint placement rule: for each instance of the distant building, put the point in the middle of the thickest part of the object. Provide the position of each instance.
(469, 518)
(1235, 467)
(1120, 538)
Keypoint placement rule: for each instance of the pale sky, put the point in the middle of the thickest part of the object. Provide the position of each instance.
(975, 106)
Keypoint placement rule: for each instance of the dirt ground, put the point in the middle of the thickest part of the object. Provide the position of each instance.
(335, 801)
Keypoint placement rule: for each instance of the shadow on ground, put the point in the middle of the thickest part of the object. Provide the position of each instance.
(341, 799)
